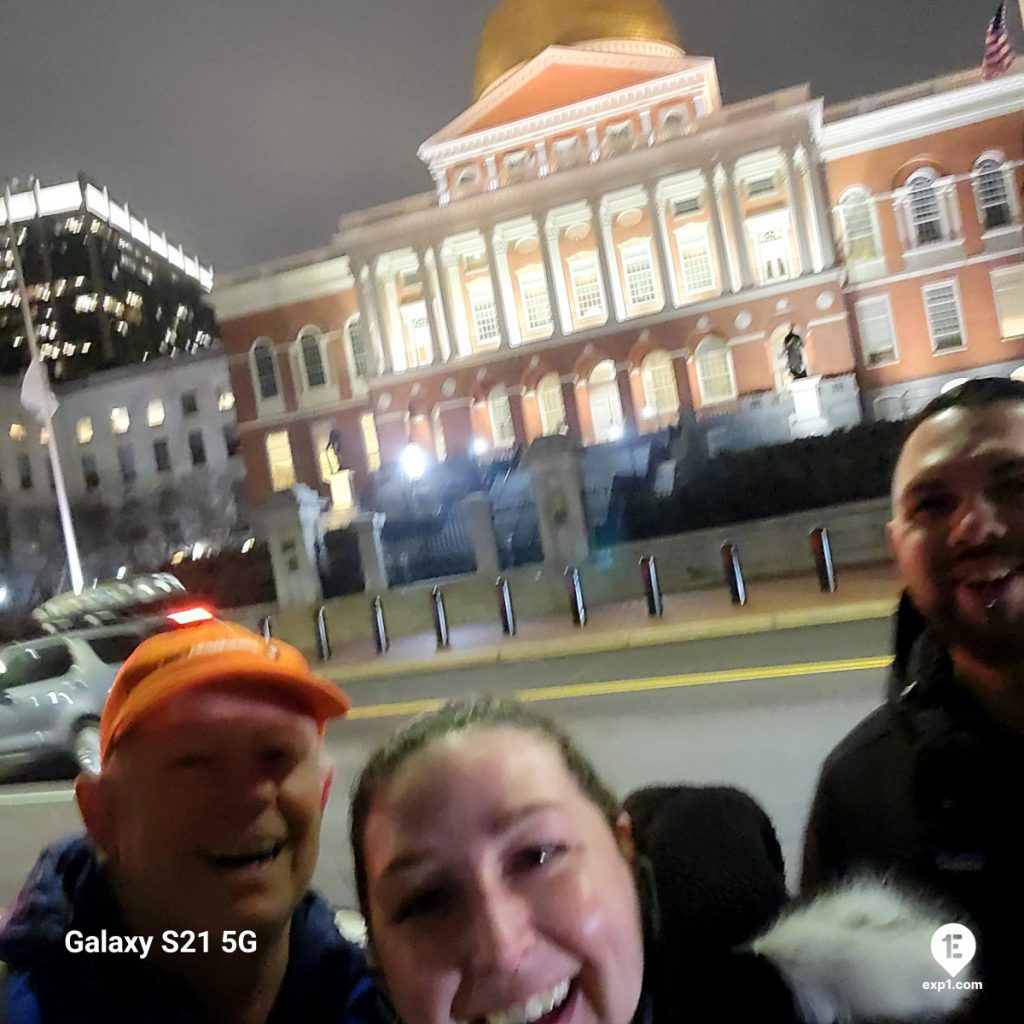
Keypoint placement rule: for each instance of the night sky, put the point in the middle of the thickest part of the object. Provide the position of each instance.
(245, 128)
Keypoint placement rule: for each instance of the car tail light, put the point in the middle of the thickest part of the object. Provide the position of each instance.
(190, 616)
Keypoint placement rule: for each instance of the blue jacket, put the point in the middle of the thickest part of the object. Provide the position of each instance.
(327, 980)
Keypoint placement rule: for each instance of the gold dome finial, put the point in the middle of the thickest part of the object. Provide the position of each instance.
(518, 30)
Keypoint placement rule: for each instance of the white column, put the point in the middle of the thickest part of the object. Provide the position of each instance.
(656, 212)
(796, 209)
(513, 329)
(607, 264)
(711, 190)
(458, 303)
(594, 144)
(646, 127)
(428, 292)
(451, 327)
(826, 240)
(543, 167)
(492, 173)
(496, 291)
(440, 177)
(369, 310)
(739, 228)
(395, 335)
(558, 296)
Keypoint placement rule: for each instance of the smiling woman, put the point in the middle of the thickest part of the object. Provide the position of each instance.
(503, 883)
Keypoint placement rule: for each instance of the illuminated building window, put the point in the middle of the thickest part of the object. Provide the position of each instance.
(639, 271)
(225, 399)
(586, 287)
(551, 404)
(485, 313)
(371, 442)
(83, 430)
(695, 259)
(1008, 287)
(715, 375)
(860, 235)
(17, 432)
(661, 395)
(534, 290)
(155, 413)
(120, 421)
(279, 460)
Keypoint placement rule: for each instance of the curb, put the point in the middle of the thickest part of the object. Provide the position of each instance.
(518, 651)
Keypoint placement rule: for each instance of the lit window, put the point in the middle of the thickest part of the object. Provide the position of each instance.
(534, 290)
(86, 303)
(485, 313)
(925, 214)
(314, 372)
(83, 430)
(605, 402)
(586, 288)
(659, 378)
(279, 459)
(942, 306)
(371, 442)
(993, 198)
(155, 413)
(502, 428)
(225, 399)
(715, 375)
(876, 330)
(357, 348)
(639, 276)
(858, 223)
(44, 437)
(1008, 286)
(17, 432)
(551, 403)
(772, 249)
(120, 421)
(695, 259)
(264, 371)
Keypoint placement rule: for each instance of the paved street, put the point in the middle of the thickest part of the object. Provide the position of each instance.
(662, 714)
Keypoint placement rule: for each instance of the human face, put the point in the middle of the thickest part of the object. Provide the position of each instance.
(497, 892)
(209, 811)
(958, 527)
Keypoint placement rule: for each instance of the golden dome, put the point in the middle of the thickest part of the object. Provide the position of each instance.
(518, 30)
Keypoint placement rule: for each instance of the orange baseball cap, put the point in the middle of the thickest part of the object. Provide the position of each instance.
(210, 654)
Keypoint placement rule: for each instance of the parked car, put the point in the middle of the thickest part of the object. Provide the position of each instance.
(52, 689)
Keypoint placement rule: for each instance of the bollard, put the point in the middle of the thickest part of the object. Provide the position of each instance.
(380, 628)
(440, 619)
(505, 609)
(649, 571)
(821, 549)
(323, 640)
(734, 573)
(577, 605)
(264, 628)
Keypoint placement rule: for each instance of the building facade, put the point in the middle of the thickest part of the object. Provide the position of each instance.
(608, 247)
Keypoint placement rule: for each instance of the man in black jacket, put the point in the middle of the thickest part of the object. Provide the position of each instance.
(928, 787)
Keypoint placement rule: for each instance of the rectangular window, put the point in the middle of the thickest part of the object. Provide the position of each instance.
(859, 230)
(197, 447)
(225, 399)
(942, 307)
(17, 432)
(231, 439)
(189, 403)
(695, 259)
(762, 186)
(24, 471)
(126, 462)
(586, 288)
(370, 441)
(715, 375)
(876, 329)
(90, 474)
(120, 421)
(1008, 288)
(485, 313)
(639, 276)
(534, 290)
(772, 253)
(279, 459)
(83, 430)
(155, 413)
(686, 207)
(162, 456)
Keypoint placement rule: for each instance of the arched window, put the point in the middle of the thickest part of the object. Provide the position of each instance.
(860, 233)
(551, 405)
(314, 370)
(926, 220)
(605, 404)
(440, 442)
(716, 377)
(502, 429)
(355, 340)
(264, 370)
(990, 190)
(661, 396)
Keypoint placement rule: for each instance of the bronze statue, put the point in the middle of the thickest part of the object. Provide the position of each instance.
(793, 346)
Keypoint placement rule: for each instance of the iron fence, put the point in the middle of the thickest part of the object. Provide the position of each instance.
(428, 548)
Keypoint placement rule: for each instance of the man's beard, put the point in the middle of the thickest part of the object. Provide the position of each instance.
(997, 642)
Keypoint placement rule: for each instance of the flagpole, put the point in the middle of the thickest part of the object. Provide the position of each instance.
(67, 525)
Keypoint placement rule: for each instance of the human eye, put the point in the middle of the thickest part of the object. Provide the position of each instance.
(538, 856)
(932, 505)
(423, 902)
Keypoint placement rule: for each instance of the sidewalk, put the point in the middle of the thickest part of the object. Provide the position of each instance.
(863, 593)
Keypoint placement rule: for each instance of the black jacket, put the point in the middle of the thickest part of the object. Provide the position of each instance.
(326, 982)
(930, 790)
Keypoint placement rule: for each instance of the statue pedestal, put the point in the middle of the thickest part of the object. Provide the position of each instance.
(343, 501)
(555, 465)
(807, 419)
(291, 524)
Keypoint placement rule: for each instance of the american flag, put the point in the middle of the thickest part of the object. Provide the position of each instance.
(998, 52)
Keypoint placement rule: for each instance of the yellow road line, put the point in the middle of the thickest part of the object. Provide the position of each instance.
(578, 690)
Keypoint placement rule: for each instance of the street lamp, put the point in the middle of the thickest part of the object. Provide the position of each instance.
(413, 462)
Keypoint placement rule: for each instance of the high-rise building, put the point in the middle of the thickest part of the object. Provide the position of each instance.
(607, 245)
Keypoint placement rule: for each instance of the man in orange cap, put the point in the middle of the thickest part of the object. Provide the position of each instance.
(190, 900)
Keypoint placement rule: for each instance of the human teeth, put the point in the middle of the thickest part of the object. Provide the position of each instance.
(534, 1008)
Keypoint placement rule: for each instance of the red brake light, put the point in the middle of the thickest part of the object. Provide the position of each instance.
(190, 616)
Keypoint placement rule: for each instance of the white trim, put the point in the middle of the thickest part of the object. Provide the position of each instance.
(932, 286)
(985, 257)
(266, 287)
(279, 419)
(821, 321)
